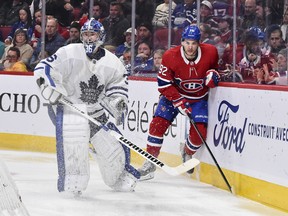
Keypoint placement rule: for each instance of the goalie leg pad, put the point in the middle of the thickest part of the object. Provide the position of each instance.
(114, 161)
(72, 136)
(128, 167)
(110, 156)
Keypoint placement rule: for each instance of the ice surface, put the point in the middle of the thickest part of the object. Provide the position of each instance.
(36, 177)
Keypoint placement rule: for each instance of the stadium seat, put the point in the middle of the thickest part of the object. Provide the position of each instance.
(5, 30)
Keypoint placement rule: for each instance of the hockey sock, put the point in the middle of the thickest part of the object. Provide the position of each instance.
(157, 128)
(194, 142)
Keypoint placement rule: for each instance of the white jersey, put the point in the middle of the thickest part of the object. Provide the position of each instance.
(83, 80)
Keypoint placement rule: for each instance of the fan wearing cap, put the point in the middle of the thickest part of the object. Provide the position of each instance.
(253, 61)
(145, 32)
(225, 26)
(127, 44)
(74, 33)
(206, 13)
(186, 74)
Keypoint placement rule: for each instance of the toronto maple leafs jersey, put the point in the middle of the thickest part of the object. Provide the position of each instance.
(178, 77)
(83, 80)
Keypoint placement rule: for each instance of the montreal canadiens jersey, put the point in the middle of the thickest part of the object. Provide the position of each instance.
(83, 80)
(179, 77)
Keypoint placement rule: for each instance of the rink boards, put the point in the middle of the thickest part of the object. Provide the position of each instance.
(247, 132)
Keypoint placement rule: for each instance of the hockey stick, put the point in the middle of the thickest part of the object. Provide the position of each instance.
(174, 171)
(210, 152)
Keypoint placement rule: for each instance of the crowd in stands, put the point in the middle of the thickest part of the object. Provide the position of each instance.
(261, 33)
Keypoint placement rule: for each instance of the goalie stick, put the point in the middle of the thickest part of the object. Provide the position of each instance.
(174, 171)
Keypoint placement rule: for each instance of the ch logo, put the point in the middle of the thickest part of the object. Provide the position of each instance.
(192, 86)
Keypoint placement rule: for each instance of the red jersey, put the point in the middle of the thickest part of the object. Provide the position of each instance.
(179, 77)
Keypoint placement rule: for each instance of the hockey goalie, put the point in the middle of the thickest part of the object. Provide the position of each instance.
(95, 81)
(10, 200)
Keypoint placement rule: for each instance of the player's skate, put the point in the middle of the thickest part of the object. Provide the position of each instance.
(185, 156)
(147, 171)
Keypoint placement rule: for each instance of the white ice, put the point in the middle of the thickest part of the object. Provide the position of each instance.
(36, 177)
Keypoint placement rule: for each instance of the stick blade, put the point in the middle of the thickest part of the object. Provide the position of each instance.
(182, 168)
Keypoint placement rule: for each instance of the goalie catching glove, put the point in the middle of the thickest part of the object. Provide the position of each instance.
(212, 78)
(183, 106)
(117, 107)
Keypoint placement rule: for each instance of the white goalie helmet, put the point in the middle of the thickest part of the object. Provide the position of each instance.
(92, 35)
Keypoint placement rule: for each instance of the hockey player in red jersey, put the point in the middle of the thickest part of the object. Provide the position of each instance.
(185, 76)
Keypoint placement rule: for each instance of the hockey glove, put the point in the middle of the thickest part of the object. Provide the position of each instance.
(117, 107)
(183, 106)
(50, 94)
(212, 78)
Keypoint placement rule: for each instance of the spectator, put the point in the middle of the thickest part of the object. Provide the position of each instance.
(251, 65)
(12, 62)
(127, 44)
(183, 15)
(206, 32)
(35, 5)
(275, 40)
(207, 14)
(224, 36)
(145, 32)
(144, 11)
(21, 42)
(222, 8)
(273, 12)
(61, 10)
(99, 11)
(225, 26)
(74, 33)
(53, 41)
(160, 24)
(161, 15)
(279, 75)
(126, 60)
(127, 8)
(104, 5)
(24, 22)
(2, 48)
(143, 62)
(225, 64)
(284, 26)
(250, 18)
(157, 59)
(115, 25)
(10, 10)
(37, 28)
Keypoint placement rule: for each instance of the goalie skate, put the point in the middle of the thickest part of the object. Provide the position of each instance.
(147, 171)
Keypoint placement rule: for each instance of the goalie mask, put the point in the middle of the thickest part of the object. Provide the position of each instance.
(92, 35)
